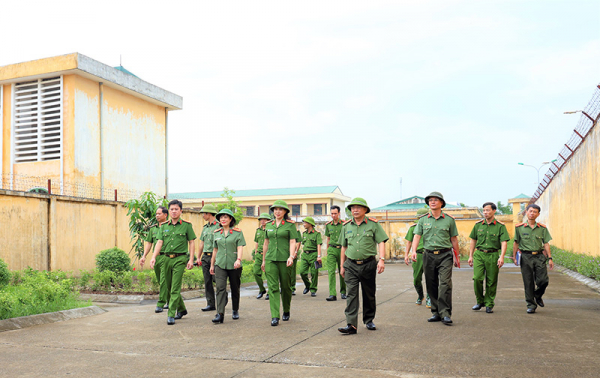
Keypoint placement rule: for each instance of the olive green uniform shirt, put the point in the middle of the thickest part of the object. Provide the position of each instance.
(531, 239)
(176, 236)
(310, 240)
(410, 236)
(152, 233)
(227, 244)
(259, 237)
(489, 236)
(436, 232)
(207, 235)
(333, 232)
(361, 240)
(279, 240)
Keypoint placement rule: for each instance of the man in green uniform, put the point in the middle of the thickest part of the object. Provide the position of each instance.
(311, 240)
(150, 241)
(176, 240)
(332, 232)
(440, 235)
(361, 239)
(532, 240)
(490, 237)
(417, 265)
(205, 251)
(294, 267)
(259, 239)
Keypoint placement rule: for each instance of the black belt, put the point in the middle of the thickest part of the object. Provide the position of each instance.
(420, 251)
(173, 255)
(208, 253)
(305, 251)
(335, 246)
(488, 250)
(360, 262)
(438, 251)
(532, 252)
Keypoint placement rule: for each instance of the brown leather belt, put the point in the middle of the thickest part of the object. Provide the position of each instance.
(438, 251)
(208, 253)
(532, 252)
(336, 246)
(360, 262)
(173, 255)
(488, 250)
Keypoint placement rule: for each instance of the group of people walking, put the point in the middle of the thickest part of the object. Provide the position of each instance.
(355, 248)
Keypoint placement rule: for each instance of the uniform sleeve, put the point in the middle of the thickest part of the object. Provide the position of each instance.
(214, 242)
(380, 235)
(547, 236)
(241, 241)
(327, 233)
(267, 231)
(342, 239)
(410, 236)
(517, 235)
(203, 235)
(504, 237)
(419, 229)
(453, 230)
(148, 237)
(191, 235)
(159, 234)
(319, 238)
(256, 236)
(473, 234)
(298, 236)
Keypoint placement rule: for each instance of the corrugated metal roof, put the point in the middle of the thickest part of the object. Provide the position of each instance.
(408, 206)
(522, 196)
(258, 192)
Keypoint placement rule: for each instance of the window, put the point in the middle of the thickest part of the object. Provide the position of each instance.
(248, 211)
(37, 120)
(296, 209)
(318, 209)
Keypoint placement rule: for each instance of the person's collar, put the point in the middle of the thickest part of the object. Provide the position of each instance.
(441, 215)
(492, 222)
(178, 221)
(365, 220)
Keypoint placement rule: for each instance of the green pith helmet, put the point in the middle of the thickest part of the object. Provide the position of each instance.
(209, 208)
(281, 204)
(309, 220)
(359, 201)
(438, 195)
(266, 216)
(228, 212)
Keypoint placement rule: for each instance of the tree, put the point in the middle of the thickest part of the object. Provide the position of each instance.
(504, 209)
(142, 216)
(231, 204)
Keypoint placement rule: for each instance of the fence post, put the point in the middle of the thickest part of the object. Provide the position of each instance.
(49, 186)
(115, 195)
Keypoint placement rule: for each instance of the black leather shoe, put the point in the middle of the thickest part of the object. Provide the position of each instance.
(434, 318)
(447, 320)
(286, 316)
(344, 296)
(235, 315)
(371, 326)
(209, 308)
(275, 322)
(531, 310)
(331, 298)
(267, 297)
(293, 292)
(218, 318)
(260, 295)
(158, 309)
(181, 314)
(306, 290)
(477, 307)
(166, 307)
(489, 310)
(348, 330)
(313, 294)
(170, 320)
(539, 301)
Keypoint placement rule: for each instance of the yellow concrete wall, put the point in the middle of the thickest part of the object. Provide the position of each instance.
(6, 121)
(570, 203)
(39, 67)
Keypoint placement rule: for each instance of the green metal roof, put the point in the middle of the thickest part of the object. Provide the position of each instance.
(398, 205)
(258, 192)
(521, 196)
(123, 69)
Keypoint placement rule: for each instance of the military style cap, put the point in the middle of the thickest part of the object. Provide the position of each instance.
(228, 212)
(209, 208)
(309, 220)
(281, 204)
(435, 194)
(359, 201)
(266, 216)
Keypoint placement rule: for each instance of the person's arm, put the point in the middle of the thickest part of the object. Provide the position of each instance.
(515, 249)
(381, 263)
(290, 260)
(265, 249)
(454, 240)
(407, 253)
(213, 258)
(319, 259)
(328, 240)
(342, 261)
(147, 247)
(157, 247)
(200, 249)
(415, 244)
(503, 247)
(471, 251)
(192, 248)
(547, 253)
(238, 261)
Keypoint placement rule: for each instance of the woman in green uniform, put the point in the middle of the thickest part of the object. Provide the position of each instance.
(226, 262)
(279, 250)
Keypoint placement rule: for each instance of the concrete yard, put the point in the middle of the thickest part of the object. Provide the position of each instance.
(560, 340)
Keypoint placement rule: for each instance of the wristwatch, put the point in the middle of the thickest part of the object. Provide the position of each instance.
(381, 259)
(549, 258)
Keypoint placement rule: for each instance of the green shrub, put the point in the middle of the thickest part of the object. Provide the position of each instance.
(113, 259)
(125, 281)
(192, 279)
(103, 280)
(587, 265)
(16, 277)
(141, 285)
(4, 274)
(84, 279)
(154, 284)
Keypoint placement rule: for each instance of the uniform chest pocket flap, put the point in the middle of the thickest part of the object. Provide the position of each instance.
(368, 234)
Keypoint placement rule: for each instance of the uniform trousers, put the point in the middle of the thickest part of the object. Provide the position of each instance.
(307, 265)
(257, 272)
(535, 273)
(172, 275)
(438, 280)
(278, 278)
(221, 276)
(363, 275)
(209, 289)
(164, 295)
(418, 274)
(333, 263)
(485, 266)
(293, 274)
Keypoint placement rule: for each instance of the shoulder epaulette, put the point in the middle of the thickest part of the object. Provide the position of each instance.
(183, 220)
(164, 222)
(348, 221)
(520, 224)
(291, 221)
(543, 225)
(374, 220)
(154, 225)
(330, 222)
(413, 225)
(273, 222)
(217, 230)
(479, 221)
(502, 223)
(449, 215)
(236, 229)
(422, 215)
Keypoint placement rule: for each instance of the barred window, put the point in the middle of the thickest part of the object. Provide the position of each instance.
(296, 209)
(37, 120)
(318, 209)
(249, 211)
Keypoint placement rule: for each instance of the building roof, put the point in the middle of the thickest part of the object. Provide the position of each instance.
(79, 64)
(401, 205)
(123, 69)
(525, 196)
(261, 192)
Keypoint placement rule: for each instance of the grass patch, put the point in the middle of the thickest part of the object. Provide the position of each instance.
(586, 265)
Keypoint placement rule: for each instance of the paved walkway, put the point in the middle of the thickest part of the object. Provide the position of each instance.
(560, 340)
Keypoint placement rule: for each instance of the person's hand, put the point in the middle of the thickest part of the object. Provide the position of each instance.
(500, 262)
(319, 260)
(406, 261)
(515, 260)
(380, 266)
(343, 272)
(262, 266)
(470, 261)
(142, 261)
(212, 269)
(190, 264)
(152, 262)
(551, 263)
(237, 264)
(455, 261)
(414, 256)
(290, 261)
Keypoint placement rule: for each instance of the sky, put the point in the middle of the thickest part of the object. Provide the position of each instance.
(442, 96)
